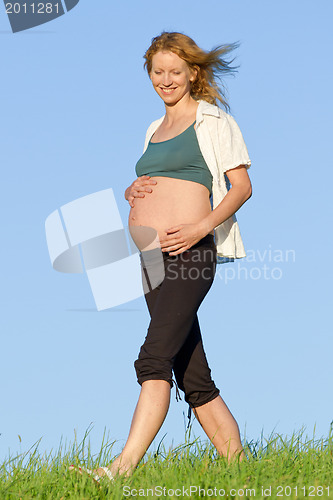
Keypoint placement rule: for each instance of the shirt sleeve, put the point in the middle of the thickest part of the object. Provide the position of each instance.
(148, 133)
(151, 127)
(233, 149)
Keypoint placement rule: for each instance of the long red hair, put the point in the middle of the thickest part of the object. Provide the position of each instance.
(210, 65)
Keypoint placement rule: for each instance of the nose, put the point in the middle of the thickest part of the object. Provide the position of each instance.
(166, 80)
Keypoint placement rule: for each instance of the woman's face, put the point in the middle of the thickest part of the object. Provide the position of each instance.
(170, 76)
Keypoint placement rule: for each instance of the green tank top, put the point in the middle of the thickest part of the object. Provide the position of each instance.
(179, 157)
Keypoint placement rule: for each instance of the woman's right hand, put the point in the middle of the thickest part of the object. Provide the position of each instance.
(138, 187)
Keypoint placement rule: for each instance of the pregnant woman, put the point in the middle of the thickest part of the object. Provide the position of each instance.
(191, 155)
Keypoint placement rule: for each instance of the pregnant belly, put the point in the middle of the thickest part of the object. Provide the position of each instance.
(171, 202)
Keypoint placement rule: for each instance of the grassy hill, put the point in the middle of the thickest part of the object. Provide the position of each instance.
(277, 467)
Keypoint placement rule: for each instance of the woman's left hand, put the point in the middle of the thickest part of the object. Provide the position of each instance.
(180, 238)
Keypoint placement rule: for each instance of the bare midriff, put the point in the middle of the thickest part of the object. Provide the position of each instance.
(171, 202)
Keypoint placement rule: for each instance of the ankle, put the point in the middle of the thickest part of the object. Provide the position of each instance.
(232, 454)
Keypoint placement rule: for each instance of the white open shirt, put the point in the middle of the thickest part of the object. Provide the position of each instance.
(223, 148)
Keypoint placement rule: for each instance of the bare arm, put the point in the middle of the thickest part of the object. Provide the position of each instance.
(238, 194)
(183, 236)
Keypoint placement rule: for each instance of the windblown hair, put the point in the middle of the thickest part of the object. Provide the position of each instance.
(210, 65)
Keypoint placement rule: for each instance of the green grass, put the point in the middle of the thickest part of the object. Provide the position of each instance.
(276, 467)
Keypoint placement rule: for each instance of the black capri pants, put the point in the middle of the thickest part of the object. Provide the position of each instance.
(173, 340)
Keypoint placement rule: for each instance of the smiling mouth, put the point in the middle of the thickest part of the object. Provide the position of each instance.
(168, 91)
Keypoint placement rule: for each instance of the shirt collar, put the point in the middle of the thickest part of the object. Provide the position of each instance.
(205, 108)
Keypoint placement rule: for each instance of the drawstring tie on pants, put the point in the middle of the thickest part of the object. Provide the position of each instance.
(189, 414)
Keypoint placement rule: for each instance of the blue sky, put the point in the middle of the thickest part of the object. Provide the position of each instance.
(75, 105)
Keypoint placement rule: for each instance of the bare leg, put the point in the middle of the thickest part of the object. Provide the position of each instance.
(149, 415)
(221, 428)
